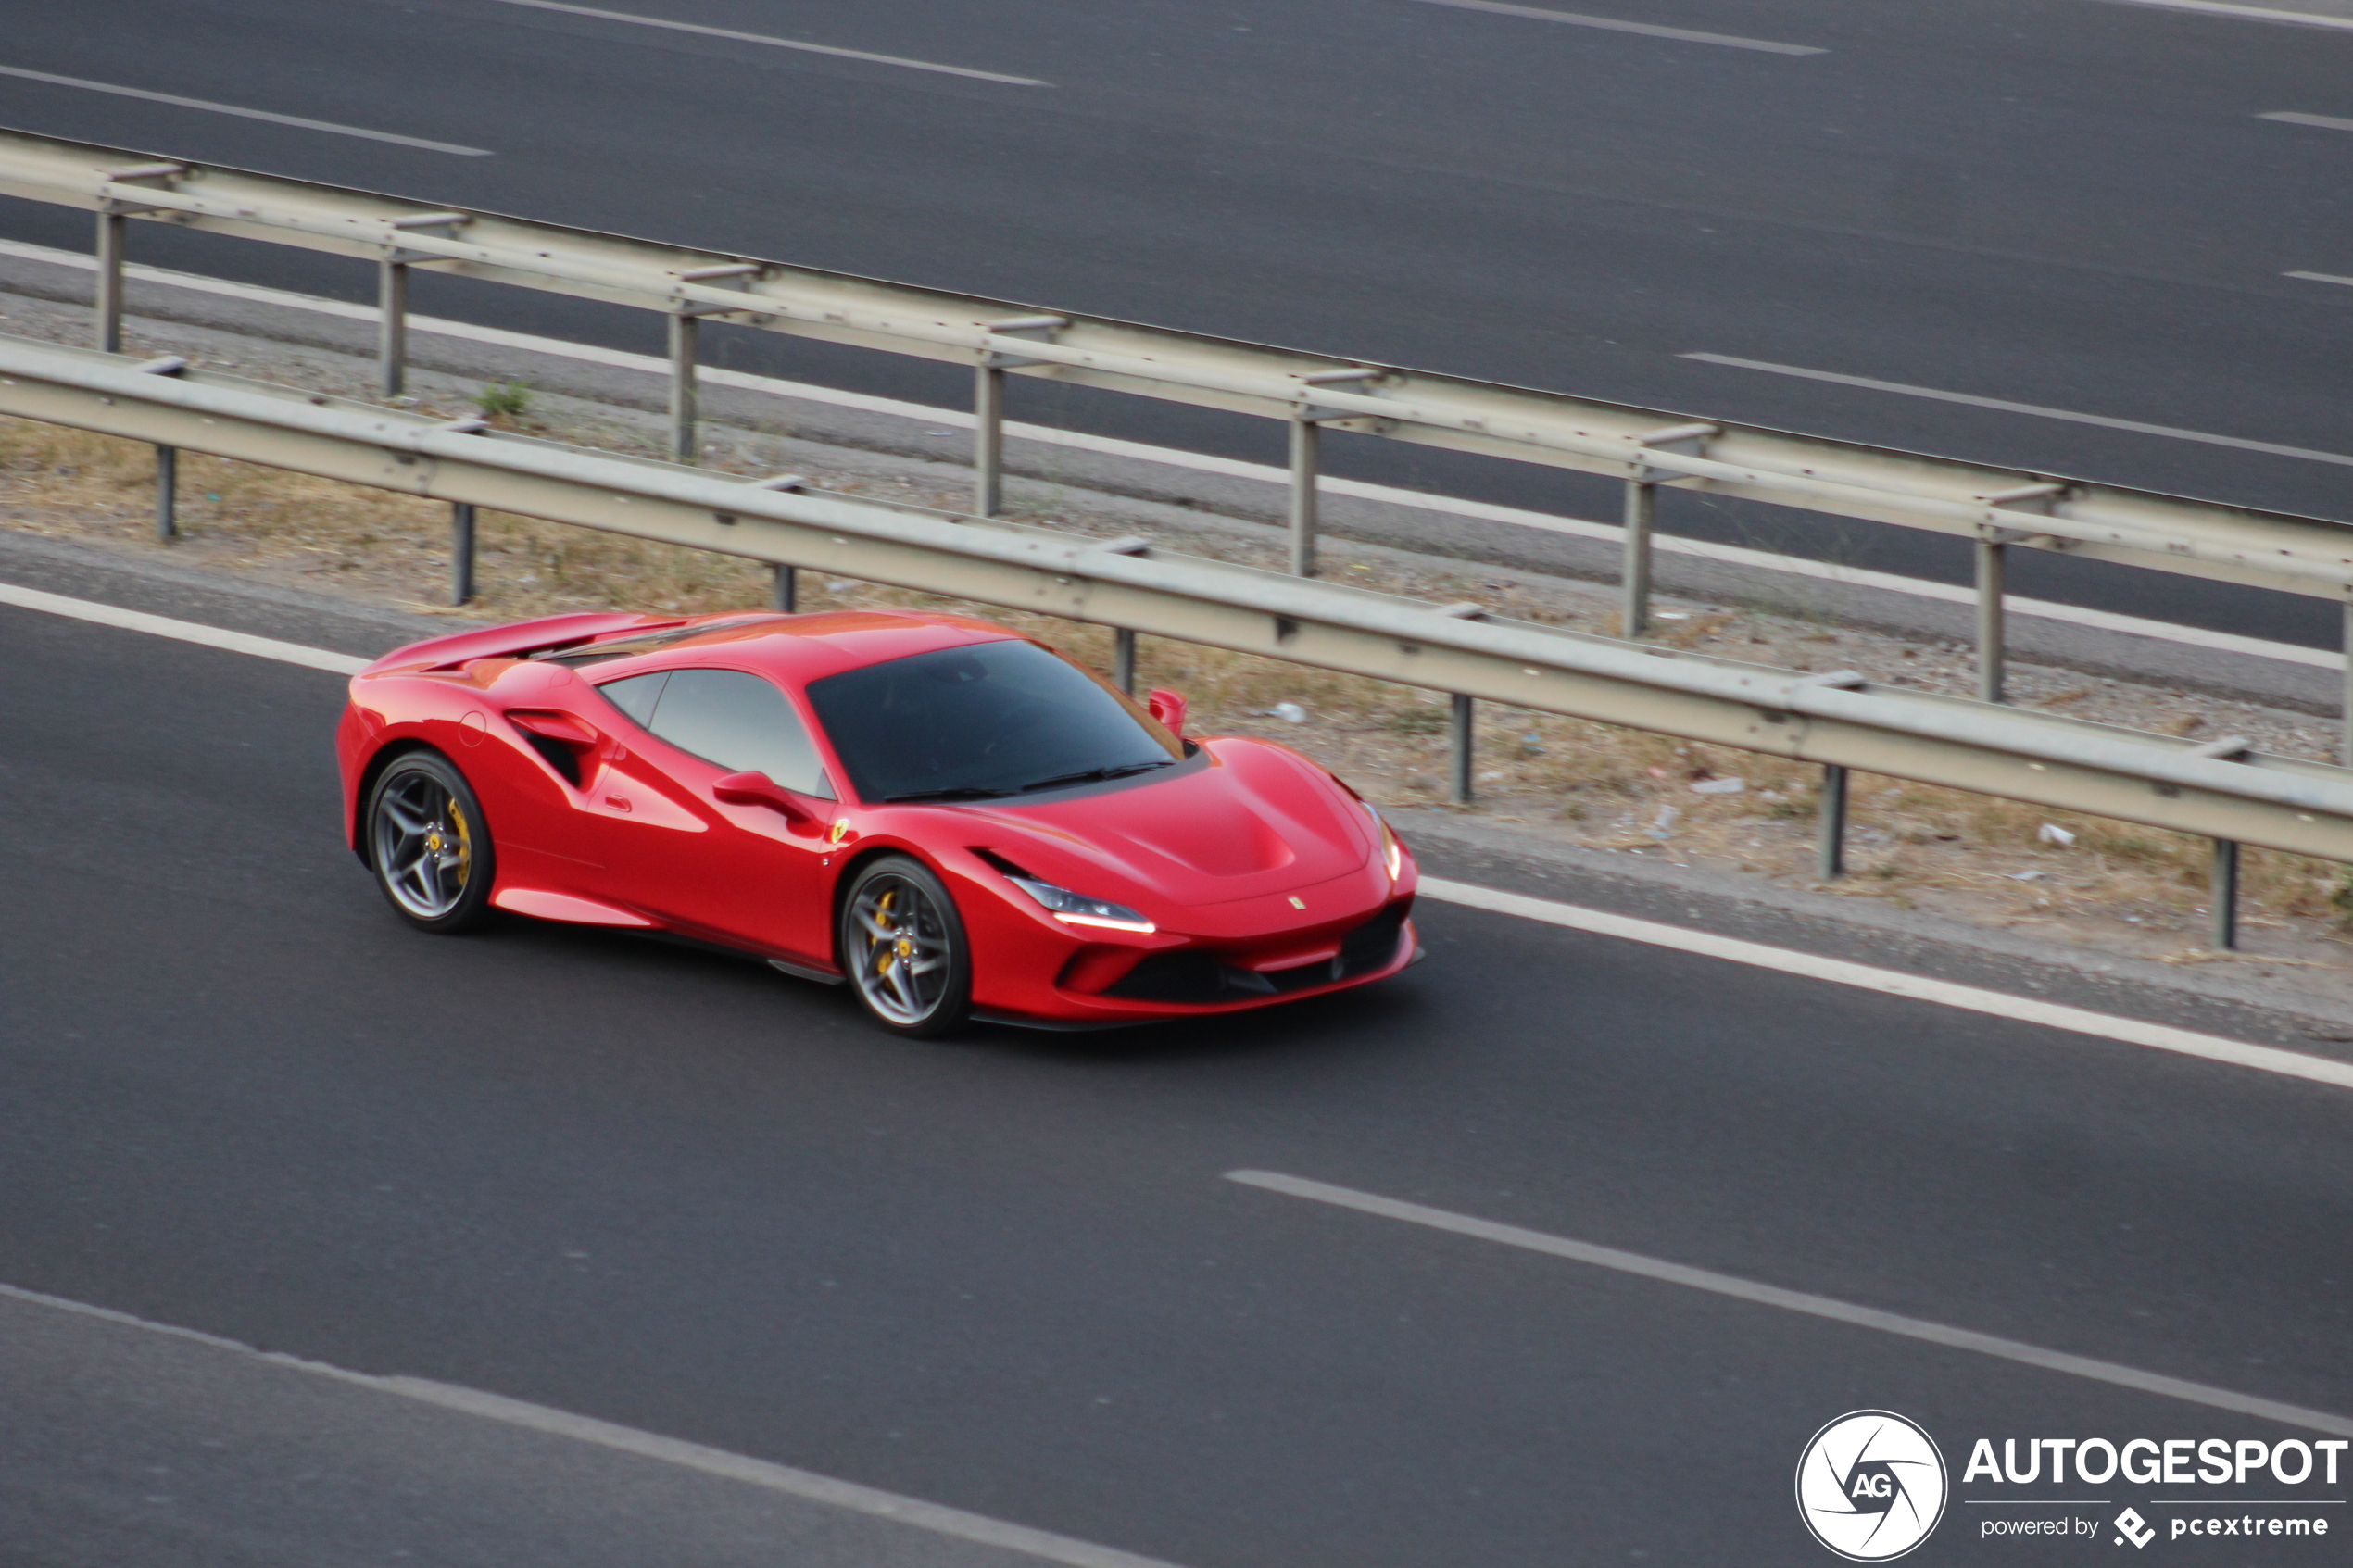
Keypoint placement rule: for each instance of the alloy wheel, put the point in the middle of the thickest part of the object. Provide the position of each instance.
(423, 845)
(902, 948)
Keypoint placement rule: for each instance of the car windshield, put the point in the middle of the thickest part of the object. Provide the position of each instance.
(993, 719)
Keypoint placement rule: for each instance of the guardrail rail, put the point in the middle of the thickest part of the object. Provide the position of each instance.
(1997, 509)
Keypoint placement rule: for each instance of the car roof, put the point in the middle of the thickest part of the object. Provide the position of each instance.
(799, 648)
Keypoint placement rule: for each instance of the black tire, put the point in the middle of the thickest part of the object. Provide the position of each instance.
(901, 943)
(426, 841)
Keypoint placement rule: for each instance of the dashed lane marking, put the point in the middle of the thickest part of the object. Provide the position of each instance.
(209, 107)
(1796, 1301)
(1611, 24)
(764, 40)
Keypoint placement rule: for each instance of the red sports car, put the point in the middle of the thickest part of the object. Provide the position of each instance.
(952, 817)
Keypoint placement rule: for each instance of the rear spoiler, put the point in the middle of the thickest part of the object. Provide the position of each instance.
(517, 640)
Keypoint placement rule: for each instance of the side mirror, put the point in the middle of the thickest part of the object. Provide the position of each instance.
(756, 788)
(1169, 709)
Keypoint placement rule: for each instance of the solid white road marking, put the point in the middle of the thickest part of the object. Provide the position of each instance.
(776, 43)
(1872, 383)
(1201, 462)
(181, 631)
(2325, 121)
(1892, 983)
(1648, 29)
(2244, 13)
(1797, 1301)
(210, 107)
(934, 1517)
(2213, 1047)
(2320, 278)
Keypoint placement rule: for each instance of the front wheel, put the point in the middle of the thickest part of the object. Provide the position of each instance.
(903, 947)
(428, 845)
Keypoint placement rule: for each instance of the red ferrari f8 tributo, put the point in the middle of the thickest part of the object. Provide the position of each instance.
(955, 819)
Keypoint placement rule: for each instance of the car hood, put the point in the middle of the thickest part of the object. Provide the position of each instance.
(1249, 819)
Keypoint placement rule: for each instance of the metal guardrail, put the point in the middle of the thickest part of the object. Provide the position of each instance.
(1997, 509)
(2222, 791)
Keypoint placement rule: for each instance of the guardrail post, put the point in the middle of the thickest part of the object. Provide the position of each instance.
(1641, 520)
(988, 440)
(167, 493)
(1306, 453)
(461, 552)
(785, 590)
(1642, 513)
(113, 213)
(392, 325)
(1122, 660)
(2222, 895)
(2345, 736)
(108, 303)
(1831, 825)
(685, 330)
(1460, 759)
(1992, 584)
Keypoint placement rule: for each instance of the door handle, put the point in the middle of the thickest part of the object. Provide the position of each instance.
(756, 788)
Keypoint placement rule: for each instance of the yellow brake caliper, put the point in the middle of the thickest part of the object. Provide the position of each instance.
(465, 842)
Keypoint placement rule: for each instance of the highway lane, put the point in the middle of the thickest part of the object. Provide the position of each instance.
(2054, 201)
(1006, 1274)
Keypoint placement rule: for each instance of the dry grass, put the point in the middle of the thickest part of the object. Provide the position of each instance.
(1971, 855)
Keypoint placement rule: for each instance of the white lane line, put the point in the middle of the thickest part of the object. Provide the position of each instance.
(2320, 278)
(2325, 121)
(2212, 1047)
(1201, 462)
(1796, 1301)
(809, 1486)
(1892, 982)
(1648, 29)
(775, 42)
(2244, 13)
(180, 631)
(210, 107)
(1872, 383)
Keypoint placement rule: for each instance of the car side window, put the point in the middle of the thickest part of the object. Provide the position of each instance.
(739, 721)
(637, 696)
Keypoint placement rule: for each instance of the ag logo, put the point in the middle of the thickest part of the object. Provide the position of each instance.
(1871, 1486)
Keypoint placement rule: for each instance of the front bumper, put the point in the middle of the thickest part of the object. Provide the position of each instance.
(1194, 980)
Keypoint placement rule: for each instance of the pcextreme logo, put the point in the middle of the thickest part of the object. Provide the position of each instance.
(1871, 1486)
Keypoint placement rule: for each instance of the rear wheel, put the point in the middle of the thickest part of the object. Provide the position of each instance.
(428, 845)
(903, 947)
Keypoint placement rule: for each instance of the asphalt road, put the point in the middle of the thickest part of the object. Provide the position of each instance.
(1008, 1274)
(2060, 203)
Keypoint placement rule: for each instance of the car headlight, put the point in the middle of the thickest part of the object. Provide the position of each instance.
(1076, 909)
(1392, 852)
